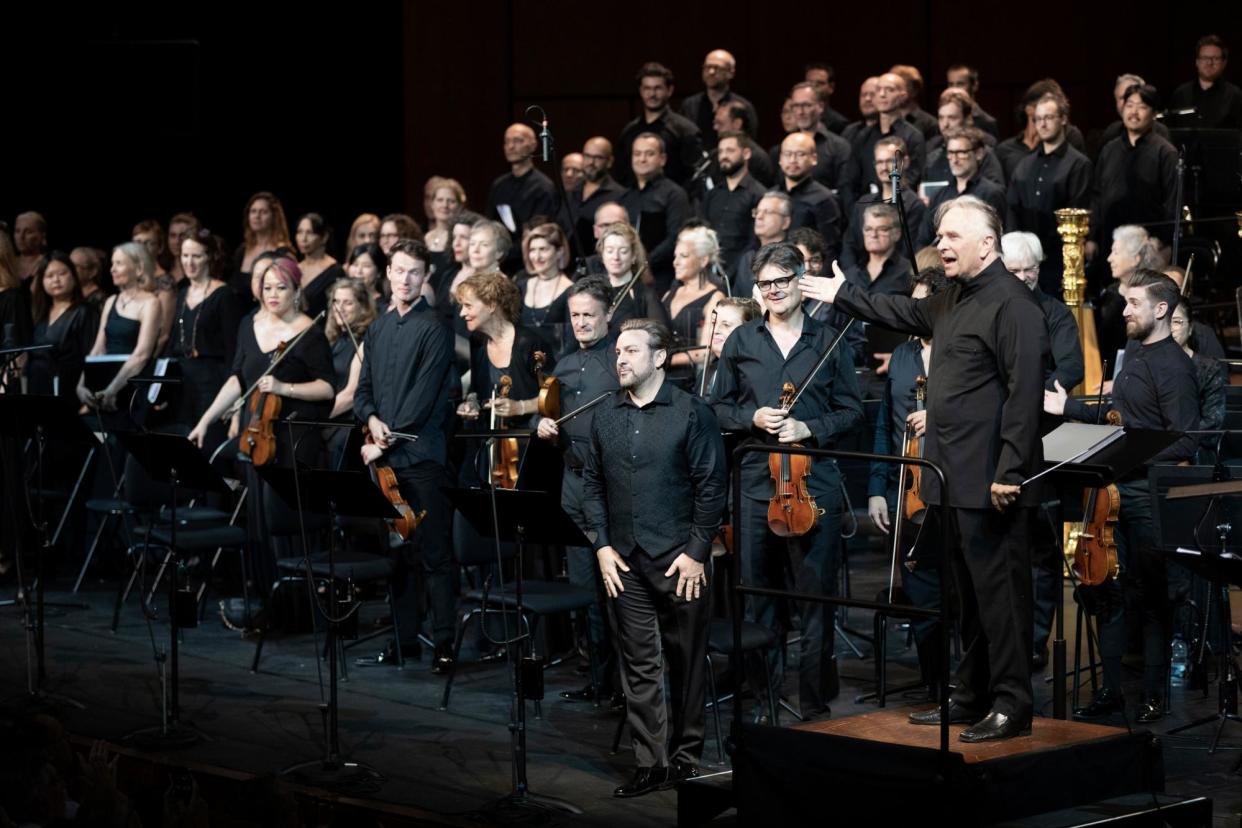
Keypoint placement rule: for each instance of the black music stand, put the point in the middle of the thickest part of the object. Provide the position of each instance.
(519, 517)
(1176, 525)
(175, 459)
(1069, 480)
(35, 417)
(354, 494)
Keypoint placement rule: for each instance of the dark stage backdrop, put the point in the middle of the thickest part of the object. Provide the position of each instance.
(116, 114)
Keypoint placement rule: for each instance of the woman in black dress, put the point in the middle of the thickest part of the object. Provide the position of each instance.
(490, 306)
(690, 301)
(264, 229)
(63, 320)
(545, 252)
(319, 270)
(622, 254)
(204, 332)
(302, 381)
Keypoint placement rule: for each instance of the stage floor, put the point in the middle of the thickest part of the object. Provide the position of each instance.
(446, 765)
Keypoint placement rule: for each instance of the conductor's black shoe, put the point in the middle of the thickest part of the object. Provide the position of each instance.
(958, 714)
(586, 694)
(387, 657)
(443, 659)
(1150, 711)
(996, 726)
(1105, 703)
(681, 771)
(645, 781)
(616, 702)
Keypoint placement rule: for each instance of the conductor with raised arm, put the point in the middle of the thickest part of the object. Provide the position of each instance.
(983, 412)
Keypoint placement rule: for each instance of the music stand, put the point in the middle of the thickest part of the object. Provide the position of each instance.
(519, 517)
(174, 459)
(1069, 480)
(1176, 521)
(34, 417)
(354, 494)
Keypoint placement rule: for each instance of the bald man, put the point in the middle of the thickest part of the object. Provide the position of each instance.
(832, 152)
(571, 171)
(523, 192)
(814, 204)
(718, 70)
(598, 187)
(890, 98)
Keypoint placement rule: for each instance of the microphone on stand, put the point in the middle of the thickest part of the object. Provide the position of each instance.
(545, 139)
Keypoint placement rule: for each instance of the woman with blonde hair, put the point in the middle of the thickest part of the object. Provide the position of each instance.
(694, 294)
(625, 261)
(448, 198)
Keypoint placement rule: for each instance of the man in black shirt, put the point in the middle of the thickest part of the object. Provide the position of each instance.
(915, 115)
(956, 112)
(824, 79)
(755, 363)
(654, 484)
(404, 387)
(1136, 175)
(571, 171)
(683, 144)
(889, 90)
(732, 117)
(718, 69)
(585, 374)
(882, 270)
(523, 192)
(656, 205)
(1157, 389)
(961, 76)
(1054, 176)
(728, 208)
(983, 430)
(866, 111)
(964, 150)
(832, 152)
(773, 217)
(814, 204)
(1117, 128)
(1216, 101)
(886, 150)
(598, 187)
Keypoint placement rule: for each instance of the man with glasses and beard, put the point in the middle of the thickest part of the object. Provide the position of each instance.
(727, 208)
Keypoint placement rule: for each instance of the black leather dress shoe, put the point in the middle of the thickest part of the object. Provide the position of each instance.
(1105, 703)
(958, 714)
(681, 771)
(996, 726)
(442, 660)
(387, 657)
(645, 781)
(586, 694)
(1150, 711)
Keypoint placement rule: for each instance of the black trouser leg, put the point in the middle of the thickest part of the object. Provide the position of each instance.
(584, 572)
(429, 554)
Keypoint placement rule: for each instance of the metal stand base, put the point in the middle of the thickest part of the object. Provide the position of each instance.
(337, 774)
(528, 808)
(172, 737)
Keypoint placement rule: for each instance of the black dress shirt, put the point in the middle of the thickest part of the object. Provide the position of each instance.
(1116, 129)
(835, 121)
(683, 145)
(1042, 183)
(924, 122)
(585, 373)
(1217, 107)
(582, 211)
(852, 250)
(530, 195)
(984, 401)
(657, 211)
(860, 173)
(406, 380)
(750, 375)
(655, 476)
(1157, 388)
(700, 109)
(1067, 363)
(815, 206)
(729, 214)
(1134, 184)
(938, 169)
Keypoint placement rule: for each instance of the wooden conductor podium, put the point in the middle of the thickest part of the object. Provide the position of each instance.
(1073, 224)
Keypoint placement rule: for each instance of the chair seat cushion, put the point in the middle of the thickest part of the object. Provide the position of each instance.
(538, 597)
(358, 567)
(109, 505)
(193, 539)
(754, 637)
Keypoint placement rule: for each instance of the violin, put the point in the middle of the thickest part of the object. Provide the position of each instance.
(549, 390)
(386, 479)
(791, 510)
(914, 505)
(258, 440)
(504, 471)
(1092, 544)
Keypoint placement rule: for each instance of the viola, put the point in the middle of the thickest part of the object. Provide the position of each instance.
(914, 505)
(258, 440)
(549, 390)
(386, 479)
(504, 471)
(791, 510)
(1092, 544)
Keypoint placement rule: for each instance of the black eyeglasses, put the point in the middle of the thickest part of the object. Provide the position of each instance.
(774, 284)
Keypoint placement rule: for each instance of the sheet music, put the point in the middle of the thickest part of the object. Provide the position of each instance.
(506, 215)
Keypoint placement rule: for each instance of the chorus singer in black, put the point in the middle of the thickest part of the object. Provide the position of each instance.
(404, 387)
(584, 374)
(655, 490)
(983, 430)
(755, 363)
